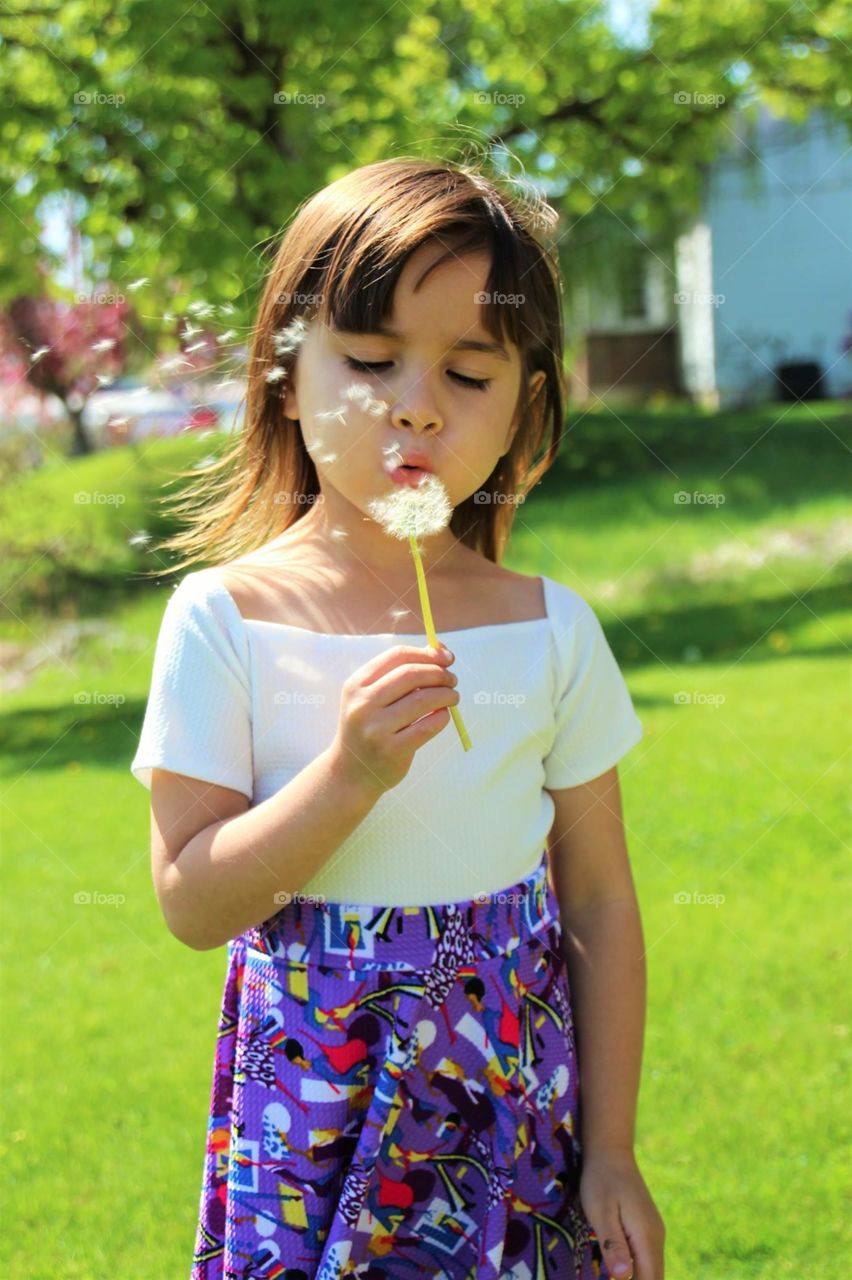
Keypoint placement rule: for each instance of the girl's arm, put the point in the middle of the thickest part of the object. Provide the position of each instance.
(605, 955)
(218, 864)
(604, 951)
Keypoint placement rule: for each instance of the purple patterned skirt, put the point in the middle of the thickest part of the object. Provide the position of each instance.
(395, 1094)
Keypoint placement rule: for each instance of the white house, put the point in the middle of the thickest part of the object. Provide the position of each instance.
(763, 277)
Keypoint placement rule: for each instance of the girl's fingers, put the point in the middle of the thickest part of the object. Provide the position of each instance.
(391, 658)
(616, 1252)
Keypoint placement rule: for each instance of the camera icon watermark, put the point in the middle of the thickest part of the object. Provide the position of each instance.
(699, 899)
(283, 898)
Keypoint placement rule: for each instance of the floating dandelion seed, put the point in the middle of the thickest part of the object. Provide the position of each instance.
(168, 366)
(191, 330)
(276, 374)
(137, 284)
(37, 355)
(412, 513)
(196, 346)
(361, 394)
(105, 344)
(104, 380)
(291, 337)
(228, 334)
(339, 413)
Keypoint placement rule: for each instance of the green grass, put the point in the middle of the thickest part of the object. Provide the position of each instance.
(110, 1023)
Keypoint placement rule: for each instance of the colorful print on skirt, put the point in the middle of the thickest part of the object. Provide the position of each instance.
(396, 1094)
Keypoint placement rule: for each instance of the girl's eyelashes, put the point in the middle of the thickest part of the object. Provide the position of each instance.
(363, 366)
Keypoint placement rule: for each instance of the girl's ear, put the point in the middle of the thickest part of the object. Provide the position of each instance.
(291, 403)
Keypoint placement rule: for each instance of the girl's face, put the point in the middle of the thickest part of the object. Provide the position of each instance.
(365, 400)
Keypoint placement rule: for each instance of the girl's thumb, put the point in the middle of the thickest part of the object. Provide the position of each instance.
(617, 1254)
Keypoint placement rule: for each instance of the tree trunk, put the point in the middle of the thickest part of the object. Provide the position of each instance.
(80, 443)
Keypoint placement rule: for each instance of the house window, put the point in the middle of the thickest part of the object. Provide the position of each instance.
(631, 286)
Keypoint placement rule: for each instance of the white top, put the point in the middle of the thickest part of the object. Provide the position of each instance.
(248, 704)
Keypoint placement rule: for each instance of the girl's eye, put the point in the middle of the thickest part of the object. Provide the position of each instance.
(363, 366)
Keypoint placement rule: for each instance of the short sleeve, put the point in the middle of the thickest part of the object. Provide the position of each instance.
(594, 717)
(198, 716)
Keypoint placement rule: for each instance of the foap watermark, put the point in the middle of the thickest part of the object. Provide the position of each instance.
(684, 99)
(699, 899)
(495, 98)
(286, 299)
(298, 99)
(500, 896)
(683, 498)
(297, 698)
(86, 98)
(100, 299)
(492, 495)
(683, 298)
(91, 497)
(497, 698)
(94, 898)
(94, 698)
(684, 698)
(283, 898)
(485, 298)
(283, 498)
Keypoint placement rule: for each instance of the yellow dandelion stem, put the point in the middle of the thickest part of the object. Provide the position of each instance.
(431, 634)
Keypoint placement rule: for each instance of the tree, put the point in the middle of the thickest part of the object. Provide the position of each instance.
(191, 136)
(70, 350)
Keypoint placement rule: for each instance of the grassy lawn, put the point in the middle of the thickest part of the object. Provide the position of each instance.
(735, 805)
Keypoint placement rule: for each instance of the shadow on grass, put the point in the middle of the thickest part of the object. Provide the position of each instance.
(50, 738)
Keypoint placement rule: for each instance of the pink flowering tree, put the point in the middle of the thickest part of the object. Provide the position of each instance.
(69, 350)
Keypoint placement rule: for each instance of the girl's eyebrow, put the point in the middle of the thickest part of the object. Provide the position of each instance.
(463, 344)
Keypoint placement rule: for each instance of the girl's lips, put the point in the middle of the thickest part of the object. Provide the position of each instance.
(408, 475)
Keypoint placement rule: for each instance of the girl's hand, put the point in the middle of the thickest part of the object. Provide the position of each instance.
(626, 1221)
(380, 701)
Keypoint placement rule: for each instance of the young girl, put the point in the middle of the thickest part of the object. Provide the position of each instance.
(397, 1080)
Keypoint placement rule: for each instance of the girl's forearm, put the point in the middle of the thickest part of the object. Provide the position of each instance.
(226, 878)
(605, 953)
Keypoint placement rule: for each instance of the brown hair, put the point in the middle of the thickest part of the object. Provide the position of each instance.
(340, 260)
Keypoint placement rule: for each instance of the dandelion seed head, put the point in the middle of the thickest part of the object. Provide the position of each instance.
(416, 512)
